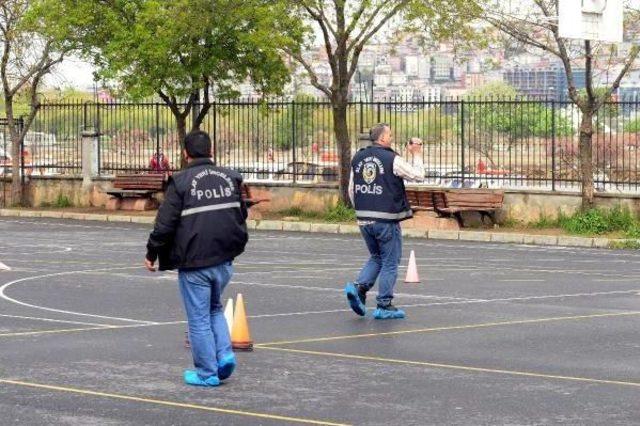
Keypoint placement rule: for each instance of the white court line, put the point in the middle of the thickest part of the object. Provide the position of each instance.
(480, 263)
(617, 280)
(492, 246)
(266, 236)
(69, 225)
(57, 274)
(416, 305)
(339, 290)
(13, 253)
(54, 320)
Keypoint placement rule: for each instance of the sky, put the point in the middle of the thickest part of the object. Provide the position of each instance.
(72, 72)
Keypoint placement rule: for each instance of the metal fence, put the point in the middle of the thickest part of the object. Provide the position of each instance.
(5, 160)
(467, 143)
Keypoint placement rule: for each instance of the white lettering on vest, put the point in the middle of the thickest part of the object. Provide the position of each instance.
(221, 191)
(369, 189)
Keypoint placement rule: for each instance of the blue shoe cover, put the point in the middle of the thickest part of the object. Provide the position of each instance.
(226, 366)
(354, 301)
(381, 313)
(191, 378)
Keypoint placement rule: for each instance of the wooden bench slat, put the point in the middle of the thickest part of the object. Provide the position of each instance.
(452, 202)
(144, 184)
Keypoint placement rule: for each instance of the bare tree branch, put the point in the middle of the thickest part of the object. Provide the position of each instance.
(312, 75)
(35, 84)
(616, 83)
(325, 34)
(364, 36)
(206, 105)
(589, 72)
(170, 101)
(356, 18)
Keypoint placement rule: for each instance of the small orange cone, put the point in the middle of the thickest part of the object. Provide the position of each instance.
(240, 336)
(412, 270)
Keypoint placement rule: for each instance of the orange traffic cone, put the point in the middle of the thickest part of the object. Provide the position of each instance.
(240, 336)
(412, 270)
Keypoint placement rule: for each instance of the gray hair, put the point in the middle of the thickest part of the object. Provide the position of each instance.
(377, 131)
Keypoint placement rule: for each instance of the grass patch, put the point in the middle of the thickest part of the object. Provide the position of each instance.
(337, 214)
(544, 222)
(299, 212)
(340, 213)
(619, 221)
(62, 201)
(599, 221)
(625, 244)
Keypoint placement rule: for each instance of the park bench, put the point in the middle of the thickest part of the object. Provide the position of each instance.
(136, 191)
(447, 202)
(484, 201)
(425, 199)
(140, 189)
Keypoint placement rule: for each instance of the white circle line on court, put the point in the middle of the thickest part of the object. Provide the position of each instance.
(93, 324)
(62, 311)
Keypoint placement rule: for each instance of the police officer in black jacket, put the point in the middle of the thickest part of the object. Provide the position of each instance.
(200, 228)
(377, 191)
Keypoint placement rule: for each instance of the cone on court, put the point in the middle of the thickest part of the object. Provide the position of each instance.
(240, 336)
(412, 270)
(228, 314)
(4, 267)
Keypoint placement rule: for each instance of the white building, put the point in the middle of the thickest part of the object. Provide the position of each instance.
(398, 79)
(430, 93)
(382, 80)
(411, 66)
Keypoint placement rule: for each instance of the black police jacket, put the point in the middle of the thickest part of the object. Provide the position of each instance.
(202, 221)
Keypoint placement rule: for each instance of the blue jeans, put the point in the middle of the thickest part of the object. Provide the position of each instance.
(201, 290)
(384, 242)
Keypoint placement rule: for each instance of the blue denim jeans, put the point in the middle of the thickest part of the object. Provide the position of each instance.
(384, 242)
(201, 291)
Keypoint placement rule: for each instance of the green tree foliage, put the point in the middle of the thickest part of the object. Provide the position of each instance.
(34, 38)
(182, 48)
(493, 109)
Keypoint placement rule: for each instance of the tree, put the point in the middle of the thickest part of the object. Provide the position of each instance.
(536, 26)
(182, 48)
(348, 26)
(31, 46)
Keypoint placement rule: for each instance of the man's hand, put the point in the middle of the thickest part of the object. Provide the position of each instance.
(149, 265)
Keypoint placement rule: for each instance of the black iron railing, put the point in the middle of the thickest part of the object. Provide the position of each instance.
(489, 142)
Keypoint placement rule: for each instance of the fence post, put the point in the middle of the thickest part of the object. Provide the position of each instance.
(90, 149)
(215, 132)
(97, 147)
(293, 139)
(462, 159)
(361, 115)
(553, 145)
(20, 125)
(158, 130)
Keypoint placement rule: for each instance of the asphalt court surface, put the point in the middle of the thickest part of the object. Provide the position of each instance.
(495, 334)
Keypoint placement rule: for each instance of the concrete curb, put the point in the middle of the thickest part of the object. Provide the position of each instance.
(346, 229)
